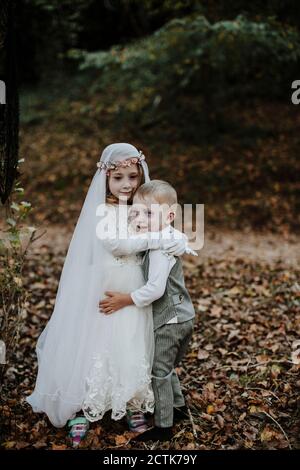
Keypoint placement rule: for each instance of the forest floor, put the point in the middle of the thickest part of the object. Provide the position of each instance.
(241, 374)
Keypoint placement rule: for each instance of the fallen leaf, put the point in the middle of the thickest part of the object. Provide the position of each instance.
(9, 444)
(296, 356)
(59, 447)
(121, 439)
(202, 354)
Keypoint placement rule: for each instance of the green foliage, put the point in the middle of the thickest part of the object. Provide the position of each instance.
(66, 14)
(12, 257)
(191, 56)
(48, 29)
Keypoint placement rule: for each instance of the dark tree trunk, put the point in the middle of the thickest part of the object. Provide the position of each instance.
(9, 112)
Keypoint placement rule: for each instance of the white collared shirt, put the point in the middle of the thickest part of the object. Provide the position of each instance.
(160, 265)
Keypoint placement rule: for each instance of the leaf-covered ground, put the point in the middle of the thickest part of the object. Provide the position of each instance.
(240, 377)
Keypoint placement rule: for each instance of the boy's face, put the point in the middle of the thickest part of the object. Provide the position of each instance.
(147, 215)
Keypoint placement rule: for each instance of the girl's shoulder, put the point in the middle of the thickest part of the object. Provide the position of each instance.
(112, 212)
(105, 210)
(109, 207)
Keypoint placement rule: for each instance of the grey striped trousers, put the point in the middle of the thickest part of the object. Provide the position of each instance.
(171, 343)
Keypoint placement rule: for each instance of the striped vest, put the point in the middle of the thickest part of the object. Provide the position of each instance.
(176, 300)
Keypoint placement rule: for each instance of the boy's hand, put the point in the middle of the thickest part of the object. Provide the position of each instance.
(115, 301)
(174, 247)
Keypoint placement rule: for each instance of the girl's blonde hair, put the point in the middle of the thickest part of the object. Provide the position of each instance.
(111, 199)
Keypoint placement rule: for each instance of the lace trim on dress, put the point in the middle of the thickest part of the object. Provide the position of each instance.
(104, 392)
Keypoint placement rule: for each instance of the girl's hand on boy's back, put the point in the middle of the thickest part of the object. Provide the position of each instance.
(115, 301)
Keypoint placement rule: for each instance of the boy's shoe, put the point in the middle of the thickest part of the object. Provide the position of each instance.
(156, 434)
(136, 421)
(180, 414)
(79, 428)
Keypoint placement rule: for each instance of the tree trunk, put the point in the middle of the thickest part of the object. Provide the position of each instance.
(9, 112)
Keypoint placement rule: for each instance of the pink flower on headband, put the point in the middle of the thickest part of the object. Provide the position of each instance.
(121, 163)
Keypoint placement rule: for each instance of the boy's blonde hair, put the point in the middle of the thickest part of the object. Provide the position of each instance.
(160, 190)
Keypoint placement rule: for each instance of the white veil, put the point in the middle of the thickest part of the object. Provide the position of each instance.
(81, 252)
(62, 360)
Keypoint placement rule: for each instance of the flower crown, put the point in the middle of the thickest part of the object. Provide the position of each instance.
(121, 163)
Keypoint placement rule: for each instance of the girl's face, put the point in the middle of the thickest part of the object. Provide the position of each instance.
(123, 182)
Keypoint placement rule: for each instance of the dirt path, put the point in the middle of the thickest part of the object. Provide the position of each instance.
(269, 248)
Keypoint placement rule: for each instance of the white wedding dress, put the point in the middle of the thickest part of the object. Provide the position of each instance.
(97, 362)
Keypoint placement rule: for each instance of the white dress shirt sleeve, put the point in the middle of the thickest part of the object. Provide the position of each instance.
(160, 266)
(129, 243)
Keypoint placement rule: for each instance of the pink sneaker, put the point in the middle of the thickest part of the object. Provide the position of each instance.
(136, 421)
(79, 428)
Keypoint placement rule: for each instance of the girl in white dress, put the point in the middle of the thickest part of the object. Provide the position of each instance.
(88, 360)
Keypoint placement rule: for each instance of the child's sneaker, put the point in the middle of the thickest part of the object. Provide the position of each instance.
(180, 413)
(79, 428)
(156, 434)
(136, 421)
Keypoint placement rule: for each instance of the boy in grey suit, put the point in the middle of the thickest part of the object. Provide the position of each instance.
(173, 311)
